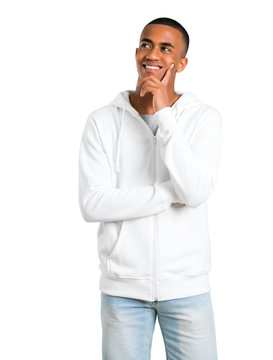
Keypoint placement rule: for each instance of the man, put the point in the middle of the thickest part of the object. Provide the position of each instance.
(148, 162)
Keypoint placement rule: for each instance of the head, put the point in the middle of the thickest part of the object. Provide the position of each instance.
(162, 42)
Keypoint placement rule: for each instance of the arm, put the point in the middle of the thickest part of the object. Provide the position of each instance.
(99, 200)
(193, 168)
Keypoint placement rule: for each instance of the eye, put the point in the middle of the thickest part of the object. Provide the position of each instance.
(144, 45)
(166, 49)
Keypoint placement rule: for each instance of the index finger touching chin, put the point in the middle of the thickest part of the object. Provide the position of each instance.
(167, 75)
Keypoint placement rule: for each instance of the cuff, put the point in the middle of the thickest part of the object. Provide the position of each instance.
(166, 120)
(168, 193)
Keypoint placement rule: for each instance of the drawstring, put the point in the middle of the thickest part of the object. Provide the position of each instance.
(118, 143)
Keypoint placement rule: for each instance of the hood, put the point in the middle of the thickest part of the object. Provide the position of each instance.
(121, 101)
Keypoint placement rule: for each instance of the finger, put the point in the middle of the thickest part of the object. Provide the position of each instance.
(152, 82)
(148, 78)
(167, 76)
(143, 90)
(147, 88)
(141, 81)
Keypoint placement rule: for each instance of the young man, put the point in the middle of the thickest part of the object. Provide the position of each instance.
(148, 162)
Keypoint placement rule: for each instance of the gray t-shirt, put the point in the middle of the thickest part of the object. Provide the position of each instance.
(151, 121)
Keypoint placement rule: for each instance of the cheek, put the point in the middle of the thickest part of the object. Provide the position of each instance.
(138, 60)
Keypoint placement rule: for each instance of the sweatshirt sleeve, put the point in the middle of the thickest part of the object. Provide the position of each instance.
(192, 167)
(99, 200)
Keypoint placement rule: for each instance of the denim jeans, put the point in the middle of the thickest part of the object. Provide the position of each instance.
(187, 326)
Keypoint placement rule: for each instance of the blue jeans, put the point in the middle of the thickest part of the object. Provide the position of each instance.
(187, 326)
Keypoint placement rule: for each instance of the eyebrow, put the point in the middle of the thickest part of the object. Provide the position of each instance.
(163, 43)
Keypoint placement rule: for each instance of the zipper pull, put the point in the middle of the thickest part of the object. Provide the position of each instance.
(154, 139)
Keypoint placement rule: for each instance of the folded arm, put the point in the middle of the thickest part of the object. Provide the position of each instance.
(99, 200)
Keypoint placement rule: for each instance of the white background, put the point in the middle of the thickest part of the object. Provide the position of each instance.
(60, 60)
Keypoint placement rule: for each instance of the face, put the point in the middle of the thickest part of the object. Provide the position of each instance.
(159, 47)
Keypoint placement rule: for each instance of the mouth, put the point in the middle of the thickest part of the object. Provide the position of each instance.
(151, 68)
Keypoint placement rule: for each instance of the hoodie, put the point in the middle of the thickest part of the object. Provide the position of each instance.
(149, 194)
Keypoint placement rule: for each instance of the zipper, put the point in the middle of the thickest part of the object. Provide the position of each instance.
(155, 217)
(155, 229)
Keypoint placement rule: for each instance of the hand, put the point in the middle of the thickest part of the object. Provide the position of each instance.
(159, 88)
(177, 205)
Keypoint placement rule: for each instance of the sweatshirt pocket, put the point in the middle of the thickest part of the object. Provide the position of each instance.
(183, 242)
(131, 254)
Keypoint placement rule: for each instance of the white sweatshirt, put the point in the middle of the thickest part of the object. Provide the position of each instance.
(149, 194)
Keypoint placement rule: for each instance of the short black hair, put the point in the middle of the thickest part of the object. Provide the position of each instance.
(175, 24)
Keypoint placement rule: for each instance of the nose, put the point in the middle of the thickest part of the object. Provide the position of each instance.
(153, 54)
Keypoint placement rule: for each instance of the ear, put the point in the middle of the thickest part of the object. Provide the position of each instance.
(182, 64)
(136, 52)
